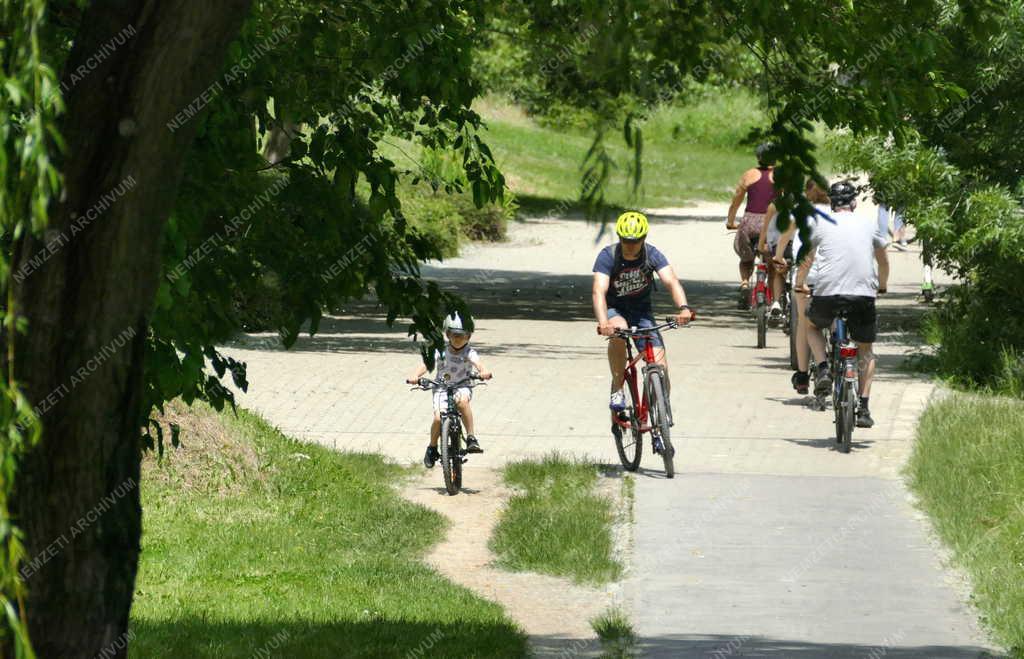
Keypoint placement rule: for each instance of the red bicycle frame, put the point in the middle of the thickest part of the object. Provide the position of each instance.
(761, 287)
(630, 376)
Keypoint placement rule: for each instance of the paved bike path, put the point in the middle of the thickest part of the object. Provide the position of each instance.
(767, 543)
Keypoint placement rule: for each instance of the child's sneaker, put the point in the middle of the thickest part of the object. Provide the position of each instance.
(618, 401)
(431, 457)
(473, 446)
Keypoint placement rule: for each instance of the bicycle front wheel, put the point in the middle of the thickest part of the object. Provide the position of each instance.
(794, 318)
(451, 461)
(629, 441)
(657, 397)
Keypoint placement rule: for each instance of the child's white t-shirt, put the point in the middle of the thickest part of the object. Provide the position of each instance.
(456, 364)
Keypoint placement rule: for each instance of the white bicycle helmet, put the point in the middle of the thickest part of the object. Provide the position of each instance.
(453, 324)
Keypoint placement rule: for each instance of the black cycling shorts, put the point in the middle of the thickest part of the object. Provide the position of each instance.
(861, 316)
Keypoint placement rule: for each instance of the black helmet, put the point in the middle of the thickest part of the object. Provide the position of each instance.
(842, 193)
(765, 154)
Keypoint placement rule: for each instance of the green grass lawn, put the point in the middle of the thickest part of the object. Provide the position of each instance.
(616, 633)
(968, 469)
(557, 523)
(690, 153)
(257, 545)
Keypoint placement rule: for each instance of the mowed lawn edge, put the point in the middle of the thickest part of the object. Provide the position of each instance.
(967, 470)
(255, 542)
(557, 522)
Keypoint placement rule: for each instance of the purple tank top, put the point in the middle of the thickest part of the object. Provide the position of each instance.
(761, 193)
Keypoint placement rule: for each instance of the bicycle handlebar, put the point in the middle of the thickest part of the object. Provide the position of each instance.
(670, 323)
(426, 384)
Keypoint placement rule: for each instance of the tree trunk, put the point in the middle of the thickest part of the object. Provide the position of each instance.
(88, 307)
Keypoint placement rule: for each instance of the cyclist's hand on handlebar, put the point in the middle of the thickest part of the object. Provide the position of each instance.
(685, 316)
(485, 375)
(411, 381)
(780, 264)
(606, 329)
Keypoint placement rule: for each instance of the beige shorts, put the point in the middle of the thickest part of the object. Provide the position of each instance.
(441, 397)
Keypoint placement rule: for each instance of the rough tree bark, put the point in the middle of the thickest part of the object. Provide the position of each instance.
(88, 308)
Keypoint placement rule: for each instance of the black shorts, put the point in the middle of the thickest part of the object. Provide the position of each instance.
(861, 316)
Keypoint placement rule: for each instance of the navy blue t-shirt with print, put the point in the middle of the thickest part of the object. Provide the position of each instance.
(631, 282)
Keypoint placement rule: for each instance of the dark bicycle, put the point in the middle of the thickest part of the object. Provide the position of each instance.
(451, 443)
(651, 413)
(843, 367)
(790, 314)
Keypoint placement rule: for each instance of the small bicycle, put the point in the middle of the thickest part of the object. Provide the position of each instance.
(651, 413)
(451, 446)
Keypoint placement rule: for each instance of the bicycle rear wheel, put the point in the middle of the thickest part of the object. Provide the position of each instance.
(451, 461)
(762, 325)
(846, 410)
(657, 398)
(629, 441)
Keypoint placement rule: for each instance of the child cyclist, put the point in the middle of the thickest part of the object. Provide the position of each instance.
(456, 363)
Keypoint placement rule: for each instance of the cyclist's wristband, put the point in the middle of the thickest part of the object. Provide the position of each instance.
(686, 306)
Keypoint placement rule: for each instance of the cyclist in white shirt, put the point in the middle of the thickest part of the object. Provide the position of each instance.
(458, 362)
(847, 248)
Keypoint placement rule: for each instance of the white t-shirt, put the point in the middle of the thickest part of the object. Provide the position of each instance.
(812, 220)
(456, 364)
(845, 254)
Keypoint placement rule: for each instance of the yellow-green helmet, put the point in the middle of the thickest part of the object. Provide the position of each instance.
(631, 225)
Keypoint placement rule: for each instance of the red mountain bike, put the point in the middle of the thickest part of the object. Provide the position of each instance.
(651, 413)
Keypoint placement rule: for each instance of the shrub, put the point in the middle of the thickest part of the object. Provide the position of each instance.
(971, 228)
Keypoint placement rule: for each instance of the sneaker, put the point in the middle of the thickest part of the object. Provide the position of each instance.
(617, 403)
(744, 301)
(657, 444)
(473, 446)
(775, 312)
(864, 419)
(801, 381)
(822, 382)
(431, 457)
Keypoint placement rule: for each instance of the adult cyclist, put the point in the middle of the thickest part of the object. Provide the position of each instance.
(623, 281)
(846, 250)
(758, 186)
